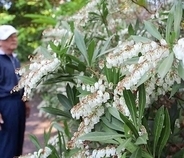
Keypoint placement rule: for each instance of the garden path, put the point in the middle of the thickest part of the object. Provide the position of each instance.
(34, 125)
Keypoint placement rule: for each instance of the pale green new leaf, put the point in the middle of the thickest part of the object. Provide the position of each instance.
(140, 39)
(86, 80)
(152, 30)
(79, 40)
(169, 25)
(165, 66)
(100, 136)
(144, 78)
(114, 112)
(181, 70)
(103, 50)
(178, 17)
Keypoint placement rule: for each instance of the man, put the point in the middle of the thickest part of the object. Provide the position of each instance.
(12, 108)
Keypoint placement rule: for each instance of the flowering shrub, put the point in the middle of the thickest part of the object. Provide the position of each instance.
(123, 87)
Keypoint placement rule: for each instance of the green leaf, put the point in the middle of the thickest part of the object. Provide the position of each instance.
(170, 21)
(144, 78)
(100, 136)
(141, 39)
(142, 139)
(103, 49)
(126, 144)
(165, 66)
(152, 30)
(114, 124)
(178, 11)
(165, 133)
(86, 80)
(131, 30)
(35, 141)
(130, 102)
(158, 125)
(64, 101)
(91, 49)
(79, 40)
(70, 95)
(137, 153)
(181, 70)
(175, 89)
(130, 125)
(55, 111)
(114, 112)
(142, 102)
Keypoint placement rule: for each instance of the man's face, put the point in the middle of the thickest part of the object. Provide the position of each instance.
(10, 43)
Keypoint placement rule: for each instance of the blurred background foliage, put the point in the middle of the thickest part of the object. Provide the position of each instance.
(31, 17)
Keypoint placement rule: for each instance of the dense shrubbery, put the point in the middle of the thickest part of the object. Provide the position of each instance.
(119, 83)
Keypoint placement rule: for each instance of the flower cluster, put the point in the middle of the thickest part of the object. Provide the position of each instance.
(179, 50)
(39, 67)
(42, 153)
(90, 108)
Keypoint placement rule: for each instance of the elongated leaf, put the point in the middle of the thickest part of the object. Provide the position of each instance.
(142, 101)
(79, 40)
(130, 102)
(64, 101)
(130, 125)
(114, 124)
(55, 111)
(35, 141)
(141, 39)
(137, 153)
(126, 144)
(104, 48)
(165, 132)
(70, 95)
(86, 80)
(91, 49)
(152, 30)
(178, 17)
(142, 139)
(144, 78)
(175, 89)
(100, 136)
(114, 112)
(181, 70)
(170, 21)
(165, 65)
(158, 125)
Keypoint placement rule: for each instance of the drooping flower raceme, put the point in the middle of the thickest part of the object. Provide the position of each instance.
(39, 67)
